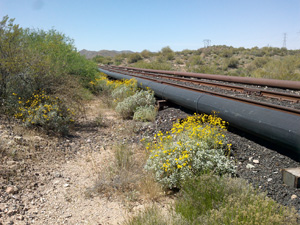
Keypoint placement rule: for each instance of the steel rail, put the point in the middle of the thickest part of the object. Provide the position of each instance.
(245, 80)
(258, 92)
(248, 101)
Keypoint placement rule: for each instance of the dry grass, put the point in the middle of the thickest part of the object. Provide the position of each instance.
(125, 177)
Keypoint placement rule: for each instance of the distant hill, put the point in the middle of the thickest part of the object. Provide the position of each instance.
(90, 54)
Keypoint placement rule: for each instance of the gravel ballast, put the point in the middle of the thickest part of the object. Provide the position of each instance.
(258, 162)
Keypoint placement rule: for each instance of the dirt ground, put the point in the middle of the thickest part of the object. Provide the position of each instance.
(49, 180)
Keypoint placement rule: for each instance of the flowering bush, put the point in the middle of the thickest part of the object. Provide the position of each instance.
(128, 99)
(193, 146)
(103, 85)
(44, 111)
(125, 89)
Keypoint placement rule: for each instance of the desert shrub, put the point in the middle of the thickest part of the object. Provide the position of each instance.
(167, 53)
(103, 60)
(193, 146)
(33, 60)
(129, 105)
(200, 195)
(224, 200)
(118, 59)
(260, 61)
(231, 63)
(227, 53)
(146, 54)
(166, 50)
(134, 57)
(44, 111)
(195, 60)
(286, 68)
(156, 65)
(145, 113)
(153, 215)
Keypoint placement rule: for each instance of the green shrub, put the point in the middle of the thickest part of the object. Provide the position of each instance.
(156, 65)
(195, 60)
(129, 105)
(134, 57)
(200, 195)
(145, 113)
(194, 146)
(33, 60)
(286, 68)
(44, 111)
(146, 54)
(224, 200)
(153, 215)
(231, 63)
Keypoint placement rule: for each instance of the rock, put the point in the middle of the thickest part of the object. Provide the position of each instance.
(249, 166)
(256, 161)
(66, 185)
(294, 197)
(270, 179)
(20, 217)
(12, 190)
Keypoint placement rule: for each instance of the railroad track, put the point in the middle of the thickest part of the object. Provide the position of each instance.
(285, 100)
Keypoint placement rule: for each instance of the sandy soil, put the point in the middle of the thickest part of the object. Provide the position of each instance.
(46, 180)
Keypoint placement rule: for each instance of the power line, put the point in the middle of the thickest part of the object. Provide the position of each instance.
(206, 43)
(284, 40)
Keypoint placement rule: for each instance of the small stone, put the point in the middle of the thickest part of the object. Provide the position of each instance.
(294, 197)
(58, 175)
(270, 179)
(10, 163)
(11, 212)
(256, 161)
(66, 185)
(20, 217)
(17, 138)
(88, 140)
(249, 166)
(11, 190)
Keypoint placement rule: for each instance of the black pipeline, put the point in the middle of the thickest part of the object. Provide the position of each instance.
(278, 127)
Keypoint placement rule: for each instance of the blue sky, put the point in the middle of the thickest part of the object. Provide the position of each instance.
(143, 24)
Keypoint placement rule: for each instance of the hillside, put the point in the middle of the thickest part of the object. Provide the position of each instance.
(266, 62)
(106, 53)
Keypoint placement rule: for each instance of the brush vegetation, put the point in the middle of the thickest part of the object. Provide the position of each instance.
(266, 62)
(210, 199)
(42, 76)
(129, 101)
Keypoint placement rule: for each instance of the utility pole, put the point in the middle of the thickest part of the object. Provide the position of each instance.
(206, 43)
(284, 40)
